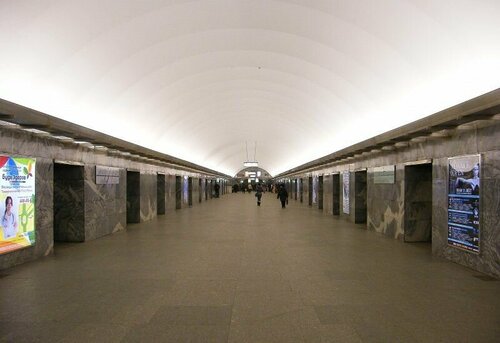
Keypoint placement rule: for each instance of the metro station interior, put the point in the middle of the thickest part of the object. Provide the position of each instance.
(137, 136)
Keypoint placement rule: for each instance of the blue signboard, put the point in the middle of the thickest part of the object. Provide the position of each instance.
(463, 202)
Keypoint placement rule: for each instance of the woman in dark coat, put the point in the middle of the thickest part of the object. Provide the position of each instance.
(282, 195)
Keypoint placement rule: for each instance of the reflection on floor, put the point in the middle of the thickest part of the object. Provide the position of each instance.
(229, 271)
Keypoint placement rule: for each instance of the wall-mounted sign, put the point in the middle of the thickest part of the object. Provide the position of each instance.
(384, 174)
(345, 192)
(107, 175)
(463, 202)
(17, 203)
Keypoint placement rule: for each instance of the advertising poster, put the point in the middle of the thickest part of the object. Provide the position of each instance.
(463, 202)
(315, 190)
(185, 190)
(345, 192)
(17, 203)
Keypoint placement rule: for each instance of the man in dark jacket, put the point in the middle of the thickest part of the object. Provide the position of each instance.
(258, 193)
(282, 195)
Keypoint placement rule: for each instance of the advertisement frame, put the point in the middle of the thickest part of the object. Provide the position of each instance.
(480, 207)
(32, 240)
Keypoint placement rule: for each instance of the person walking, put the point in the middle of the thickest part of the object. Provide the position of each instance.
(282, 195)
(258, 193)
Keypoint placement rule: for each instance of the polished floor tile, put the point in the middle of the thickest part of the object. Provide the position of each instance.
(229, 271)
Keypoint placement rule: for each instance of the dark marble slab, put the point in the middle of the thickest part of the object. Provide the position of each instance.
(148, 196)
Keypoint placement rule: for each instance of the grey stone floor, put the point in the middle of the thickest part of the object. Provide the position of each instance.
(229, 271)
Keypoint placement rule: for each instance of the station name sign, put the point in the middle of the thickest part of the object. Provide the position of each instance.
(107, 175)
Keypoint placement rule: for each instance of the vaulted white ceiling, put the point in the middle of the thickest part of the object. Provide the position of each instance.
(198, 79)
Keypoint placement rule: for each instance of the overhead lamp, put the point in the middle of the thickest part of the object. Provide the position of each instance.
(420, 139)
(39, 133)
(9, 124)
(100, 148)
(84, 144)
(441, 134)
(64, 139)
(401, 144)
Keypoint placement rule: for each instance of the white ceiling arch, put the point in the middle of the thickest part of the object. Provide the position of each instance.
(198, 79)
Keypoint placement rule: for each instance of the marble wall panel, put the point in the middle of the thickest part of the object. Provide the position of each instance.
(170, 192)
(69, 203)
(148, 186)
(386, 205)
(160, 194)
(305, 191)
(105, 205)
(196, 191)
(328, 194)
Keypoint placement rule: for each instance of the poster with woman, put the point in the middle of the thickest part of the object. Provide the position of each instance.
(463, 202)
(17, 203)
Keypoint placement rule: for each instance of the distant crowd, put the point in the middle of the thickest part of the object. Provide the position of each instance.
(259, 188)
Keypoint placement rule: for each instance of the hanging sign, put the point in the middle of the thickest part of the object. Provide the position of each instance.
(17, 203)
(463, 202)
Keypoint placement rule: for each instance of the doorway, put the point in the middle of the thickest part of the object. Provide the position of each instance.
(360, 194)
(200, 190)
(301, 189)
(160, 194)
(178, 192)
(133, 196)
(190, 191)
(69, 203)
(418, 203)
(310, 190)
(320, 192)
(336, 194)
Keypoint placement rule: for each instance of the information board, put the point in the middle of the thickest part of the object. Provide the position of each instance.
(345, 192)
(17, 203)
(463, 202)
(384, 174)
(107, 175)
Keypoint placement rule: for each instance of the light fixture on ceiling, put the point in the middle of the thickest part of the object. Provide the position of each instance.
(249, 163)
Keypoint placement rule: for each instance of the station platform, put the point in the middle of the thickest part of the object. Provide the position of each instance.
(229, 271)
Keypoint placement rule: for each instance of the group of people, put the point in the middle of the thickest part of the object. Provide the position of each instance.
(259, 188)
(281, 191)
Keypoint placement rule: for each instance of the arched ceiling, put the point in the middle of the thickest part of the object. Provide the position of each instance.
(198, 79)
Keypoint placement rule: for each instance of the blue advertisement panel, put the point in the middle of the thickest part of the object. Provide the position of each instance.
(463, 202)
